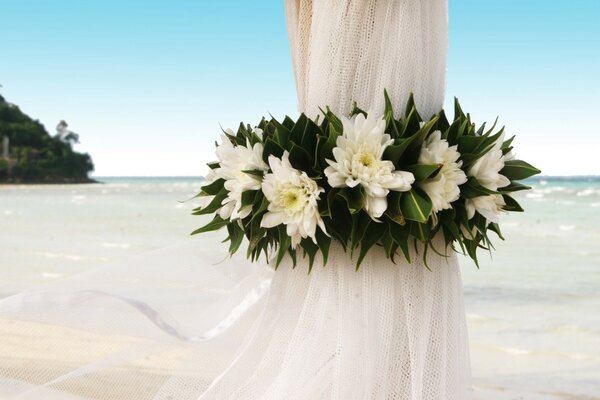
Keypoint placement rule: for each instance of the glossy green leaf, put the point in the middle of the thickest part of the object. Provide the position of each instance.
(372, 236)
(213, 188)
(415, 205)
(423, 171)
(518, 169)
(473, 189)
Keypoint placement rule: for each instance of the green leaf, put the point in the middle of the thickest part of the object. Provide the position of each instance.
(288, 123)
(213, 206)
(474, 189)
(354, 197)
(214, 165)
(236, 235)
(254, 172)
(360, 224)
(511, 204)
(216, 224)
(415, 205)
(388, 243)
(442, 124)
(420, 231)
(272, 148)
(514, 187)
(458, 112)
(310, 248)
(507, 143)
(299, 158)
(282, 137)
(412, 123)
(357, 110)
(248, 197)
(213, 188)
(324, 242)
(284, 243)
(374, 233)
(517, 169)
(309, 138)
(400, 235)
(411, 107)
(264, 204)
(390, 123)
(423, 171)
(299, 128)
(395, 151)
(494, 227)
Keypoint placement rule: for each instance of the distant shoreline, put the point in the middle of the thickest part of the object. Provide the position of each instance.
(65, 181)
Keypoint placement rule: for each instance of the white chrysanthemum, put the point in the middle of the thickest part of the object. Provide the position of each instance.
(358, 161)
(233, 161)
(487, 172)
(442, 189)
(292, 197)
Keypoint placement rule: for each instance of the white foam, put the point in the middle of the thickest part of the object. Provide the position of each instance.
(587, 192)
(566, 227)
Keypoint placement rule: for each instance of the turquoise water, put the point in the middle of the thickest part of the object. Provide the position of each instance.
(533, 309)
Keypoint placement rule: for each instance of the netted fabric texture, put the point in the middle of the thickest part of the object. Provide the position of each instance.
(388, 331)
(346, 50)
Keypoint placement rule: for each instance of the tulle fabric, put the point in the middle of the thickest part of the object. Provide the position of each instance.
(189, 323)
(347, 51)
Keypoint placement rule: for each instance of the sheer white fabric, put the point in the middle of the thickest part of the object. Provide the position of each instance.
(183, 324)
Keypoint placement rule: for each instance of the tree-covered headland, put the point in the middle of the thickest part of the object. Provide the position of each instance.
(29, 154)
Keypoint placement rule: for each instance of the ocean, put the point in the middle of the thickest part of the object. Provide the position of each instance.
(533, 307)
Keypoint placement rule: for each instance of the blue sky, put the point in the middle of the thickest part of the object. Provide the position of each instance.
(147, 83)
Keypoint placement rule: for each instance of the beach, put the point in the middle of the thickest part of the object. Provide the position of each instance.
(532, 307)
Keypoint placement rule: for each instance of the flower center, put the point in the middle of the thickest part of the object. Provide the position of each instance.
(366, 159)
(292, 199)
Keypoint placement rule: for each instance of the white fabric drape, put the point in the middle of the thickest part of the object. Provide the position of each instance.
(182, 324)
(345, 51)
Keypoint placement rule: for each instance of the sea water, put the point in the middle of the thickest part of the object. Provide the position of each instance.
(533, 307)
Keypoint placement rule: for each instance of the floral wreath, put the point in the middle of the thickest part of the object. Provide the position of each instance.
(361, 180)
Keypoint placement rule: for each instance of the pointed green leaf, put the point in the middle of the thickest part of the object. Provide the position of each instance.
(272, 148)
(511, 204)
(213, 188)
(423, 171)
(324, 242)
(474, 189)
(374, 233)
(284, 243)
(518, 169)
(415, 205)
(215, 224)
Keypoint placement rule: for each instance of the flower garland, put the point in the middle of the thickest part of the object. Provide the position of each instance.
(364, 180)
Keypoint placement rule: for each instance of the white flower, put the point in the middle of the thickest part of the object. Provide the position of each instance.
(358, 161)
(292, 197)
(487, 172)
(233, 161)
(442, 189)
(488, 206)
